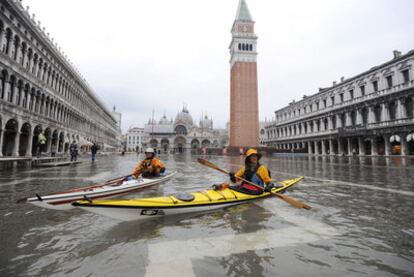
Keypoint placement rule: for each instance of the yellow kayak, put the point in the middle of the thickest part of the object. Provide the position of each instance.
(144, 208)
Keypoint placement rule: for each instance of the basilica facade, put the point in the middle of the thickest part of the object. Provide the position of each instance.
(179, 135)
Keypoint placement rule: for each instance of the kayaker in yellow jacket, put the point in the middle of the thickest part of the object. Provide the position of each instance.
(254, 172)
(150, 167)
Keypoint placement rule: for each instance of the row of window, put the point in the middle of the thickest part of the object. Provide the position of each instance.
(341, 120)
(405, 74)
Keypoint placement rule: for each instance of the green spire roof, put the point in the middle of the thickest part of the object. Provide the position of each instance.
(243, 13)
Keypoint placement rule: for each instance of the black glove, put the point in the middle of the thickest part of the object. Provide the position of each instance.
(269, 187)
(232, 177)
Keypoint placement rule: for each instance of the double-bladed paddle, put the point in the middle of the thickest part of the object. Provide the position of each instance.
(290, 200)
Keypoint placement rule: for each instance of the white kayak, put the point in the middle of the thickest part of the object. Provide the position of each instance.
(63, 200)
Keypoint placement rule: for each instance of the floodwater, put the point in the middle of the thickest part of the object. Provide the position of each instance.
(361, 224)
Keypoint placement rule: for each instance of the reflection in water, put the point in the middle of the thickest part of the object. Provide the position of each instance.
(366, 200)
(246, 218)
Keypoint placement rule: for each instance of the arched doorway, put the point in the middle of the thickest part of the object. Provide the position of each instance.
(354, 147)
(195, 144)
(48, 135)
(61, 142)
(395, 141)
(205, 143)
(165, 145)
(179, 144)
(24, 139)
(380, 145)
(154, 143)
(216, 144)
(55, 137)
(10, 131)
(35, 139)
(367, 146)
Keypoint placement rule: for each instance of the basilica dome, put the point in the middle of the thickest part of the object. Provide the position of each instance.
(164, 120)
(184, 118)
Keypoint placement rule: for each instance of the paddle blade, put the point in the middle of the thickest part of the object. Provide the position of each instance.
(292, 201)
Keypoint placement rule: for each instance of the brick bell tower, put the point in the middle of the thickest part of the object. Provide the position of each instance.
(244, 106)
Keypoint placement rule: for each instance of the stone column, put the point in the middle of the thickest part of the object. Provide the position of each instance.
(10, 47)
(34, 98)
(330, 123)
(384, 113)
(40, 72)
(35, 65)
(387, 145)
(374, 147)
(15, 151)
(331, 147)
(348, 121)
(2, 37)
(315, 144)
(323, 147)
(48, 143)
(309, 127)
(309, 148)
(340, 148)
(371, 115)
(338, 121)
(361, 146)
(1, 142)
(350, 146)
(359, 117)
(29, 144)
(6, 88)
(322, 125)
(401, 112)
(17, 54)
(404, 146)
(15, 93)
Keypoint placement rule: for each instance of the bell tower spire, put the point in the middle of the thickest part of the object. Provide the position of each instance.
(244, 107)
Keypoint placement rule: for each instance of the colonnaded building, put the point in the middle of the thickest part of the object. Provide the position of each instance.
(40, 90)
(178, 135)
(368, 114)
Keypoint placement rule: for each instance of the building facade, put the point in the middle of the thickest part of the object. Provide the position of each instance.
(369, 114)
(182, 134)
(244, 106)
(134, 138)
(41, 91)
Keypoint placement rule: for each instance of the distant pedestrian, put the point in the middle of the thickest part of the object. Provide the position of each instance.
(73, 149)
(41, 142)
(94, 150)
(53, 150)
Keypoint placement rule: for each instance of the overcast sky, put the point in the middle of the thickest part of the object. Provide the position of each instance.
(159, 54)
